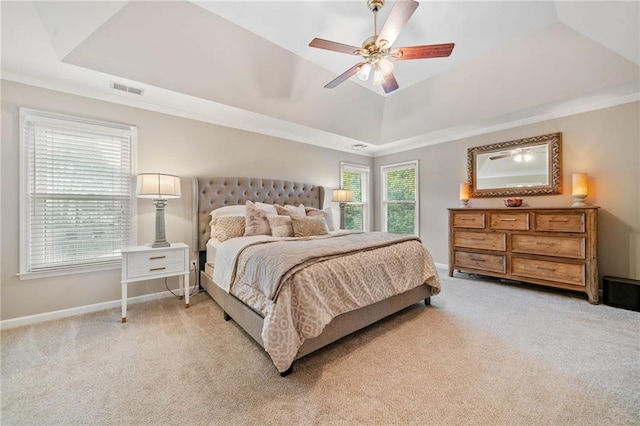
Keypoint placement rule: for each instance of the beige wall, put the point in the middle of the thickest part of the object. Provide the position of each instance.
(604, 143)
(167, 144)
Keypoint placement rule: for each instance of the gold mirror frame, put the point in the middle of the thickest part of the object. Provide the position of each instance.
(553, 142)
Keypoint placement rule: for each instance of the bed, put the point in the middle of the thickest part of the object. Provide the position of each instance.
(312, 318)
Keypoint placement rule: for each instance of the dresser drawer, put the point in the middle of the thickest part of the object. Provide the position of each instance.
(468, 220)
(480, 240)
(573, 247)
(149, 264)
(482, 262)
(552, 271)
(559, 222)
(510, 221)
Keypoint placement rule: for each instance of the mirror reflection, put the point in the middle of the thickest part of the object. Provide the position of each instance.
(513, 168)
(522, 167)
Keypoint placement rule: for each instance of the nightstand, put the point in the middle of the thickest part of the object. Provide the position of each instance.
(141, 263)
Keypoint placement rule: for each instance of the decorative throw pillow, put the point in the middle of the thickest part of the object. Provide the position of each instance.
(240, 210)
(280, 225)
(327, 213)
(309, 226)
(227, 227)
(290, 210)
(257, 223)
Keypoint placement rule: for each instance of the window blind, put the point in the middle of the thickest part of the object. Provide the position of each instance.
(400, 198)
(78, 196)
(356, 179)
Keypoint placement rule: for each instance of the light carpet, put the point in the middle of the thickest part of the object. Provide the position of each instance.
(482, 353)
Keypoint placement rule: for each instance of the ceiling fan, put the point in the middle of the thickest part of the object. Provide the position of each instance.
(518, 155)
(376, 50)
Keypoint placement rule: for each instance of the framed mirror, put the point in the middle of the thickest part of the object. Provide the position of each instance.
(530, 166)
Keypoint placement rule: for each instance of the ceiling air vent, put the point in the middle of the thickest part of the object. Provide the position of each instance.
(128, 89)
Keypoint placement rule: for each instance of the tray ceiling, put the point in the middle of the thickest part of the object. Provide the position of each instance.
(247, 64)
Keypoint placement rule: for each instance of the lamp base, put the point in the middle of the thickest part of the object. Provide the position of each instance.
(160, 239)
(578, 201)
(342, 218)
(464, 204)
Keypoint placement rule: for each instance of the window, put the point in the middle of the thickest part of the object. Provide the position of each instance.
(356, 178)
(400, 198)
(75, 193)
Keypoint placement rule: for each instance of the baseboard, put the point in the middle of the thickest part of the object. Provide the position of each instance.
(48, 316)
(442, 266)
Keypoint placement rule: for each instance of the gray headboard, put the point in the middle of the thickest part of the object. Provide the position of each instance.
(211, 193)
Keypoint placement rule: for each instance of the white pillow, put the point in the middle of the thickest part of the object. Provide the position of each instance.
(240, 210)
(269, 208)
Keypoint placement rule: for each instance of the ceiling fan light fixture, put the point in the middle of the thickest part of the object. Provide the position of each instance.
(378, 76)
(364, 71)
(386, 66)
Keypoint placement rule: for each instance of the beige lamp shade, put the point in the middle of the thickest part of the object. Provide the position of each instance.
(464, 191)
(579, 184)
(579, 189)
(158, 186)
(342, 196)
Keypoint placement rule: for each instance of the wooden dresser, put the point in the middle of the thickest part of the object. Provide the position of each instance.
(554, 247)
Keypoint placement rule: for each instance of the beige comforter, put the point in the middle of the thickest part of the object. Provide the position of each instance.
(301, 285)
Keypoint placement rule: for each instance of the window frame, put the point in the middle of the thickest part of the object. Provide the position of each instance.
(365, 203)
(383, 196)
(25, 218)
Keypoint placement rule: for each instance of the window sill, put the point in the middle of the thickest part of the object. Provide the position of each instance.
(70, 271)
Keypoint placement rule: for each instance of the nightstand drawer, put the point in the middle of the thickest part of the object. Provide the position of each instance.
(149, 264)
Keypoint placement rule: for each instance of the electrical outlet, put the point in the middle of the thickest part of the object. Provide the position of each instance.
(194, 265)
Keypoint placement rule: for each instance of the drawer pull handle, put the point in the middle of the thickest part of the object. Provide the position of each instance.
(543, 243)
(476, 238)
(475, 259)
(546, 269)
(558, 220)
(468, 218)
(507, 220)
(157, 257)
(158, 269)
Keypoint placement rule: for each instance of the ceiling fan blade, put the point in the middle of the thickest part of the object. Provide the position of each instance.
(399, 14)
(497, 157)
(389, 84)
(424, 52)
(344, 76)
(333, 46)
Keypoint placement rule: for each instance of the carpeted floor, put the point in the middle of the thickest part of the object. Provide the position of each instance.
(482, 353)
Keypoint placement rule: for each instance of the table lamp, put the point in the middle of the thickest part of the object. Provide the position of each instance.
(342, 196)
(159, 187)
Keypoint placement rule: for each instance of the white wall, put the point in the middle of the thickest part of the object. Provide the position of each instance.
(167, 144)
(604, 143)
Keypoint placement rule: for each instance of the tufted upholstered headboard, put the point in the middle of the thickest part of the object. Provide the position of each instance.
(211, 193)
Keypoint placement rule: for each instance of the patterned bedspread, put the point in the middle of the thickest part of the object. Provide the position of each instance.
(300, 285)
